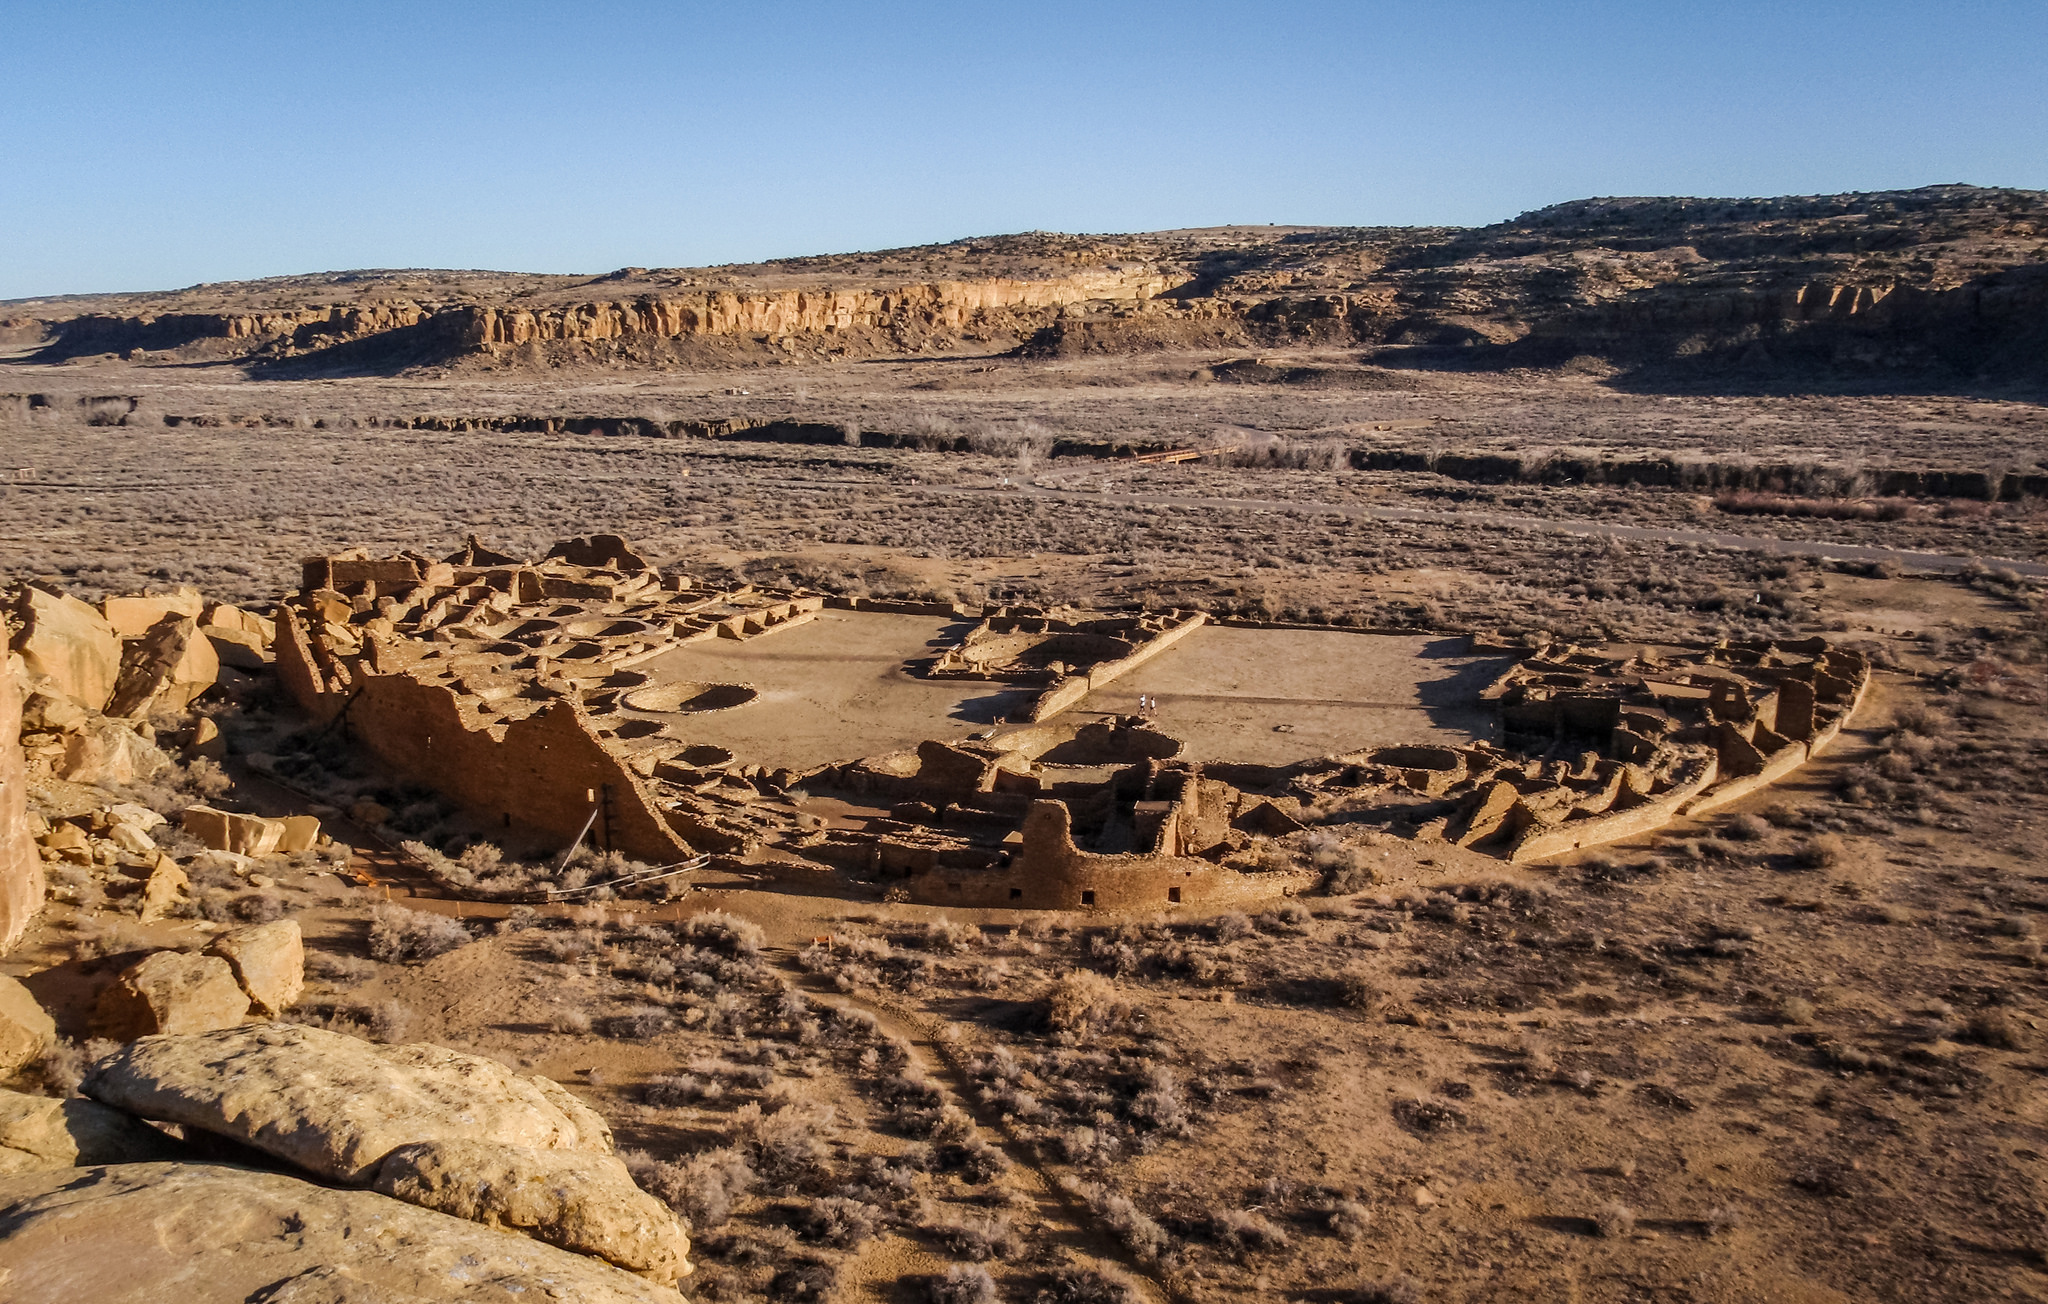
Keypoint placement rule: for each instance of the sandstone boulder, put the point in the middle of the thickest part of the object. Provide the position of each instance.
(26, 1030)
(132, 615)
(131, 839)
(165, 669)
(269, 961)
(171, 992)
(206, 740)
(109, 752)
(239, 648)
(244, 835)
(301, 833)
(40, 1133)
(69, 645)
(211, 1234)
(163, 890)
(52, 712)
(585, 1203)
(22, 884)
(335, 1105)
(223, 616)
(142, 817)
(66, 841)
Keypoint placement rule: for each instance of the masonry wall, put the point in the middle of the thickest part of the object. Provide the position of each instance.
(1050, 873)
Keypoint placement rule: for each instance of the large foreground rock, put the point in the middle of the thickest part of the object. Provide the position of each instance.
(69, 644)
(22, 884)
(335, 1105)
(165, 669)
(132, 614)
(586, 1203)
(171, 992)
(42, 1133)
(209, 1234)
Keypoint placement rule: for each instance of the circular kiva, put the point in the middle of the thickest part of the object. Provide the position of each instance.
(689, 698)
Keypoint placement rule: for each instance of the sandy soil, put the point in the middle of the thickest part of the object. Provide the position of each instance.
(833, 690)
(1273, 697)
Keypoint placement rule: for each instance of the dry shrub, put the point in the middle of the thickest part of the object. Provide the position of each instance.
(1344, 868)
(402, 936)
(1356, 988)
(1615, 1220)
(804, 1280)
(640, 1023)
(838, 1222)
(719, 931)
(1077, 1285)
(945, 935)
(1139, 1233)
(702, 1187)
(1821, 852)
(971, 1236)
(785, 1142)
(1750, 503)
(1748, 828)
(1425, 1114)
(1083, 1000)
(1996, 1028)
(1796, 1011)
(962, 1283)
(1349, 1221)
(1397, 1289)
(1245, 1232)
(61, 1068)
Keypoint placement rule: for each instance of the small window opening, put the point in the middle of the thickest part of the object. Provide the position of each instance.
(1173, 894)
(1016, 894)
(1087, 898)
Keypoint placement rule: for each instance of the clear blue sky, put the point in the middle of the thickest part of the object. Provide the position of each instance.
(153, 145)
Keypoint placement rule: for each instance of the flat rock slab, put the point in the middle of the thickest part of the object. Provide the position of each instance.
(211, 1234)
(581, 1202)
(40, 1133)
(336, 1105)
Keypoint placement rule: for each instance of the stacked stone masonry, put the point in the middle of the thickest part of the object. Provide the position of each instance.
(512, 688)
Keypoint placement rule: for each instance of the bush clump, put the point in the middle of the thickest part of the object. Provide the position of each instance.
(402, 936)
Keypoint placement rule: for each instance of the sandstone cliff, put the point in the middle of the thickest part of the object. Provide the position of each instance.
(1945, 281)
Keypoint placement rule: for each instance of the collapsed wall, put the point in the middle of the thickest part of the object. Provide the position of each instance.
(464, 676)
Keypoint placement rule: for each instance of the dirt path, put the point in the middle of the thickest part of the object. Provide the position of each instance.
(1056, 1208)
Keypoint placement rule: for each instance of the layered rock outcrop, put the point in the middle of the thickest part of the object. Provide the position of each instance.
(337, 1106)
(211, 1234)
(1793, 283)
(424, 1125)
(43, 1134)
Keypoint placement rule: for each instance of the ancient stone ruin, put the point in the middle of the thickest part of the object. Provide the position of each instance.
(580, 696)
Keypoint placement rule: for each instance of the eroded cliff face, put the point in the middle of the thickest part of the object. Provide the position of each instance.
(995, 305)
(21, 865)
(944, 305)
(1946, 279)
